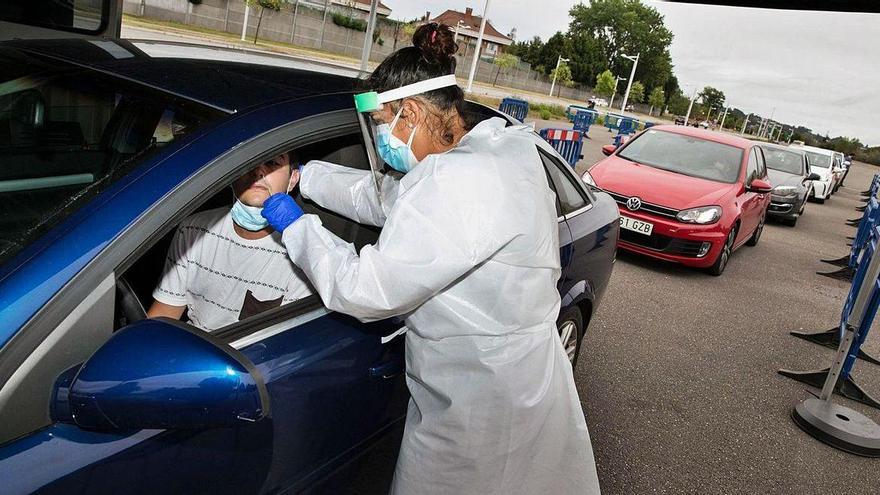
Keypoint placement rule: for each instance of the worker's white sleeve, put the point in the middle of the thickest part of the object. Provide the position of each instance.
(431, 239)
(348, 191)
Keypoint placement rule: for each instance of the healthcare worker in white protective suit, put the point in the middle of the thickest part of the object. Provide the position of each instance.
(469, 253)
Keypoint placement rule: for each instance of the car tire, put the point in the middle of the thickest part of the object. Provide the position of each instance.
(723, 258)
(791, 222)
(756, 235)
(570, 327)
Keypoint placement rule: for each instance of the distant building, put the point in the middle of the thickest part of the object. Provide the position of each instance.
(358, 9)
(467, 25)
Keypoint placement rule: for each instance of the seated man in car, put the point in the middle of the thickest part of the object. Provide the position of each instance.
(227, 264)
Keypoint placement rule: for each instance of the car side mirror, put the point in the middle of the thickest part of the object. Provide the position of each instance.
(161, 374)
(759, 186)
(812, 176)
(608, 149)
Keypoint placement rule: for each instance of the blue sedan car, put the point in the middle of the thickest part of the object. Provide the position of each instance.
(104, 149)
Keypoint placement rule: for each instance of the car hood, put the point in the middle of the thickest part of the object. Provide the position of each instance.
(780, 178)
(678, 191)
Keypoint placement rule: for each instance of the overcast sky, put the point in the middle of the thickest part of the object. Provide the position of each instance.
(818, 69)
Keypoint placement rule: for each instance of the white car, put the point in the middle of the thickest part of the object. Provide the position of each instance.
(821, 163)
(599, 102)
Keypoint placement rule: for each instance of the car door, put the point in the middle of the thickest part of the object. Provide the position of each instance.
(335, 384)
(750, 202)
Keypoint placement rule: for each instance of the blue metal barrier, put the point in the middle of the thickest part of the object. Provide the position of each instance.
(567, 142)
(648, 125)
(863, 280)
(627, 126)
(514, 107)
(573, 110)
(840, 426)
(612, 121)
(583, 120)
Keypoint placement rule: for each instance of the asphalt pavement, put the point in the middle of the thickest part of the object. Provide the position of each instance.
(678, 370)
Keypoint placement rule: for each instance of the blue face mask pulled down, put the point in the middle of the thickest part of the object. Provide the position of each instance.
(397, 154)
(248, 217)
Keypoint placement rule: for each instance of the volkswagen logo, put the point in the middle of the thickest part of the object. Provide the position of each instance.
(634, 203)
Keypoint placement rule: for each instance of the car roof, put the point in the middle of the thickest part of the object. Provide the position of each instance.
(718, 137)
(225, 85)
(821, 151)
(793, 149)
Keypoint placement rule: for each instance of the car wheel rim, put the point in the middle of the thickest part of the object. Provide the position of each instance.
(568, 336)
(759, 230)
(725, 253)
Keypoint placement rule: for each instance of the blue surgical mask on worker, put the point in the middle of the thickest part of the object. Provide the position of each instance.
(397, 154)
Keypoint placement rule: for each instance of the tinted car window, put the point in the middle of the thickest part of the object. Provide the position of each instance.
(685, 155)
(570, 197)
(762, 166)
(752, 166)
(784, 161)
(72, 15)
(66, 134)
(817, 160)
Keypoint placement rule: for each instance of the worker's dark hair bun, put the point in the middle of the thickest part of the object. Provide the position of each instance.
(436, 42)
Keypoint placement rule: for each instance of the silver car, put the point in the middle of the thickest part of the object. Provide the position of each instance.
(792, 180)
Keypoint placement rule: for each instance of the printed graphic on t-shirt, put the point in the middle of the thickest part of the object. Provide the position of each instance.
(253, 306)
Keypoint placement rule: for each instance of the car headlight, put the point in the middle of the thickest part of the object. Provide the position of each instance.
(588, 179)
(785, 190)
(702, 215)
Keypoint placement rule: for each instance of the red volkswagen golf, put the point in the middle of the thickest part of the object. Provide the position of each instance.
(685, 194)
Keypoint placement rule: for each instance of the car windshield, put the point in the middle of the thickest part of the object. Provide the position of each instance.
(685, 155)
(784, 161)
(67, 134)
(817, 160)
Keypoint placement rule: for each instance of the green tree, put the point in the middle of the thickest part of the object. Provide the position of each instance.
(505, 61)
(626, 27)
(713, 99)
(605, 83)
(562, 74)
(656, 99)
(264, 4)
(637, 92)
(678, 103)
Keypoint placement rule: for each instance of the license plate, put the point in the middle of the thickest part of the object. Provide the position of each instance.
(636, 225)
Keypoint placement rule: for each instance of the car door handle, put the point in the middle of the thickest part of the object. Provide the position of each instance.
(391, 336)
(388, 369)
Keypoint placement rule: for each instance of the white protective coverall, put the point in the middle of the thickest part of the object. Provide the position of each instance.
(469, 252)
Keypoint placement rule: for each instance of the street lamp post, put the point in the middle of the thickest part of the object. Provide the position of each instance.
(559, 61)
(470, 84)
(368, 38)
(690, 107)
(745, 123)
(632, 74)
(247, 11)
(723, 117)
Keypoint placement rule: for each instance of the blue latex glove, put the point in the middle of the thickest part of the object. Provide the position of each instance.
(281, 211)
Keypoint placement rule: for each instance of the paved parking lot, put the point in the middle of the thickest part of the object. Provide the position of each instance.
(678, 378)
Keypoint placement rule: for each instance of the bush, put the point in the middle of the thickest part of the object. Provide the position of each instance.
(349, 22)
(548, 112)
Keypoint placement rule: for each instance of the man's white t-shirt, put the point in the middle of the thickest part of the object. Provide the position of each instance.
(222, 278)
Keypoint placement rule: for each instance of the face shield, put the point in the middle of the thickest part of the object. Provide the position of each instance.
(372, 101)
